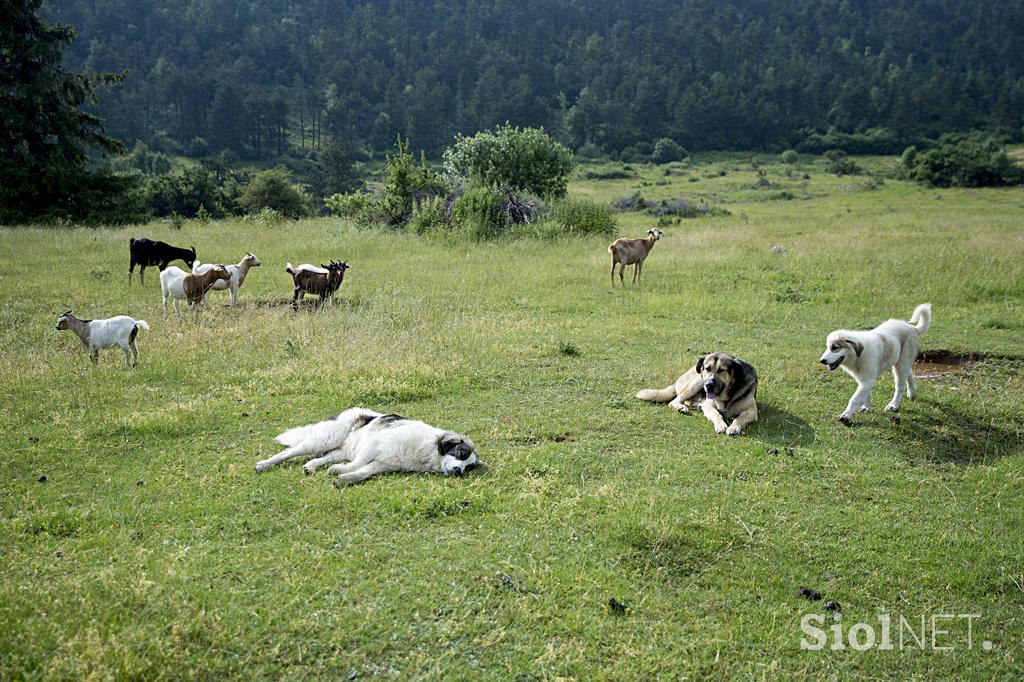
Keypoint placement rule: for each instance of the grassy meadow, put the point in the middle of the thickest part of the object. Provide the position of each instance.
(153, 551)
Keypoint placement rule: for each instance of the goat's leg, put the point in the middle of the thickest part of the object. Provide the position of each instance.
(297, 296)
(135, 353)
(622, 267)
(613, 270)
(94, 355)
(639, 271)
(131, 269)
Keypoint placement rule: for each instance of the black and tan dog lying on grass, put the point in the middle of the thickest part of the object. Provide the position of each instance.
(725, 388)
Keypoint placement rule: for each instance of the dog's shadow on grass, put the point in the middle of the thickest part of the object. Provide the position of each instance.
(943, 435)
(776, 426)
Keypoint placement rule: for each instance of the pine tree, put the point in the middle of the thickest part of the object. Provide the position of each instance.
(45, 136)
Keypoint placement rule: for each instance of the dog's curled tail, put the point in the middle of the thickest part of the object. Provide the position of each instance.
(922, 318)
(143, 324)
(657, 395)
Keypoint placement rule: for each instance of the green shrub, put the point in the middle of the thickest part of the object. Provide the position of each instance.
(523, 159)
(429, 216)
(183, 193)
(840, 164)
(274, 189)
(582, 217)
(591, 151)
(962, 161)
(346, 205)
(789, 156)
(406, 184)
(667, 150)
(265, 217)
(477, 213)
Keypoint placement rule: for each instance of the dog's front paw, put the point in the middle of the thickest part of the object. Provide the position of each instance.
(336, 469)
(865, 408)
(683, 409)
(721, 428)
(308, 469)
(262, 466)
(891, 407)
(845, 419)
(733, 430)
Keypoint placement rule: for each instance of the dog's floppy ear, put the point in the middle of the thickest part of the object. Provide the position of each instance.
(700, 364)
(451, 445)
(857, 346)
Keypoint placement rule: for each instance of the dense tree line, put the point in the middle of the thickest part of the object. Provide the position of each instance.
(271, 78)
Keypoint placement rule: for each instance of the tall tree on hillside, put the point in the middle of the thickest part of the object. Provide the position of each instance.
(44, 134)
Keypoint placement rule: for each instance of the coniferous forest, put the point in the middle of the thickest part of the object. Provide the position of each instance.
(269, 78)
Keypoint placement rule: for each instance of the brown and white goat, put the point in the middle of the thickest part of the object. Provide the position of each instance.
(632, 252)
(323, 280)
(238, 273)
(179, 285)
(119, 331)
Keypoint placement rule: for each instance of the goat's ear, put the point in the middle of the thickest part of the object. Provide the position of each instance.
(700, 364)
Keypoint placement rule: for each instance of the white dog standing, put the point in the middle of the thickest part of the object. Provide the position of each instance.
(866, 354)
(373, 443)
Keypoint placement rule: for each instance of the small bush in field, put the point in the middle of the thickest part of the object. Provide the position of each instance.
(789, 156)
(582, 217)
(346, 205)
(667, 150)
(840, 164)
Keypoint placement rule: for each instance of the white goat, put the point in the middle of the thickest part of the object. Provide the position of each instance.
(238, 273)
(632, 252)
(185, 286)
(97, 334)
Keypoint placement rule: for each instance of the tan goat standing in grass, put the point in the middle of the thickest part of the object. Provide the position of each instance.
(632, 252)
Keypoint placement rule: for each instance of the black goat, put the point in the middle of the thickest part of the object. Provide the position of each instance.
(324, 280)
(147, 252)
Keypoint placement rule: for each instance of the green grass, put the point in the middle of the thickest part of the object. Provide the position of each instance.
(154, 551)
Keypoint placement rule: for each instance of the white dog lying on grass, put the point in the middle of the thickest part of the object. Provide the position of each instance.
(373, 443)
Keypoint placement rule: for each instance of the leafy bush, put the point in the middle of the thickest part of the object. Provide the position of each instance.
(197, 147)
(591, 151)
(336, 170)
(523, 159)
(871, 141)
(477, 213)
(667, 150)
(183, 193)
(406, 185)
(346, 205)
(582, 217)
(962, 161)
(274, 189)
(840, 164)
(789, 156)
(265, 217)
(429, 216)
(630, 202)
(681, 208)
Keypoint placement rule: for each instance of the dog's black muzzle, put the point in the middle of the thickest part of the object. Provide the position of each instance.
(712, 388)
